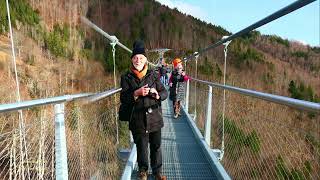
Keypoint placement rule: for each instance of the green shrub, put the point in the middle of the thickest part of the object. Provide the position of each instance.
(268, 78)
(316, 49)
(218, 71)
(295, 174)
(244, 54)
(86, 53)
(180, 31)
(277, 39)
(166, 17)
(124, 134)
(146, 8)
(253, 141)
(57, 40)
(136, 27)
(247, 56)
(307, 167)
(255, 173)
(206, 68)
(21, 11)
(301, 92)
(281, 169)
(34, 90)
(74, 117)
(313, 141)
(123, 61)
(218, 29)
(130, 1)
(238, 138)
(300, 54)
(87, 44)
(250, 37)
(252, 54)
(54, 43)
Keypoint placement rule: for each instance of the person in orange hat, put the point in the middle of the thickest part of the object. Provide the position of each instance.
(177, 85)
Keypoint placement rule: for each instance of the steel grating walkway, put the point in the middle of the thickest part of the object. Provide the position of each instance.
(182, 156)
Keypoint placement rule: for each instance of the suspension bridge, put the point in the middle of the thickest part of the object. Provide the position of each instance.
(59, 144)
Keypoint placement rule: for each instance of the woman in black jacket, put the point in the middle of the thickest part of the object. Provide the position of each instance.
(142, 93)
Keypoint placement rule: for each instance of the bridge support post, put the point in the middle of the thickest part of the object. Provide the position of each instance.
(60, 143)
(187, 97)
(207, 131)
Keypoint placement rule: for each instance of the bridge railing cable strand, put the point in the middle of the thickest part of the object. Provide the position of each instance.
(296, 103)
(109, 37)
(282, 12)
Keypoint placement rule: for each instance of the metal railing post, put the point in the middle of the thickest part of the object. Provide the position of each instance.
(187, 97)
(60, 143)
(207, 131)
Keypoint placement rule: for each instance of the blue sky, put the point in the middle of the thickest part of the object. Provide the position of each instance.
(234, 15)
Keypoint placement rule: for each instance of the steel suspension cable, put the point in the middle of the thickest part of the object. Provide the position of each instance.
(113, 44)
(21, 120)
(195, 90)
(111, 38)
(282, 12)
(226, 44)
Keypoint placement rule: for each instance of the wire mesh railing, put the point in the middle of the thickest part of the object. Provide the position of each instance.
(262, 140)
(198, 104)
(30, 152)
(267, 141)
(27, 152)
(91, 140)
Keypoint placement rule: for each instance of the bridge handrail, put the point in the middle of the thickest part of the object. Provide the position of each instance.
(55, 100)
(295, 103)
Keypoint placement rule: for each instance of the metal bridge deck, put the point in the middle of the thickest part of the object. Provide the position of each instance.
(182, 156)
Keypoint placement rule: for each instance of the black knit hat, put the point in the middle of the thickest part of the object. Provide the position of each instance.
(138, 48)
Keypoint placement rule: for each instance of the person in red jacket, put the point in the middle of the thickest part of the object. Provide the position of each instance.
(177, 86)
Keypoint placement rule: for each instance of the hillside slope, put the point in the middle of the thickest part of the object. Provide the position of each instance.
(274, 61)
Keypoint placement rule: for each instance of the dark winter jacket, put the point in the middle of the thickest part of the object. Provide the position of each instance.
(147, 113)
(178, 84)
(163, 71)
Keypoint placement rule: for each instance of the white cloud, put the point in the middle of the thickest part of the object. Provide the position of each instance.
(303, 42)
(187, 8)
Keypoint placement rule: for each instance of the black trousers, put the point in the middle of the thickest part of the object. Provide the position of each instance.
(142, 140)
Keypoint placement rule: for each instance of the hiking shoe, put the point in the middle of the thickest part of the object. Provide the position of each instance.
(160, 177)
(142, 175)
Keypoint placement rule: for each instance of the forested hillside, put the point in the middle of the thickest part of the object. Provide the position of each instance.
(256, 130)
